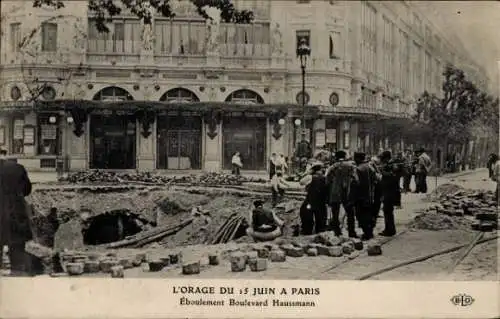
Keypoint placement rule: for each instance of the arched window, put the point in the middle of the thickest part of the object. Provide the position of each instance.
(113, 93)
(179, 95)
(245, 97)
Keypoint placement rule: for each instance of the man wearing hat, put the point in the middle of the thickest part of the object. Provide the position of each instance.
(340, 178)
(365, 194)
(391, 192)
(265, 225)
(15, 224)
(313, 213)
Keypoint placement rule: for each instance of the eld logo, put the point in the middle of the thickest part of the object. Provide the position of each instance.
(462, 300)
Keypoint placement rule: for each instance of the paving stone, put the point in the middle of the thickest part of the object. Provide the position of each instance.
(312, 252)
(277, 256)
(117, 271)
(358, 244)
(175, 258)
(322, 250)
(156, 265)
(92, 266)
(476, 225)
(213, 259)
(374, 249)
(191, 268)
(238, 262)
(353, 255)
(75, 269)
(347, 248)
(294, 251)
(106, 265)
(251, 255)
(141, 257)
(324, 238)
(335, 251)
(487, 216)
(487, 226)
(263, 252)
(127, 263)
(259, 264)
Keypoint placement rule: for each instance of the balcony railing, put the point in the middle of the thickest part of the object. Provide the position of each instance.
(113, 51)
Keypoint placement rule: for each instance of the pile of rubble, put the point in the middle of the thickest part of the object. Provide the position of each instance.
(253, 256)
(455, 206)
(205, 179)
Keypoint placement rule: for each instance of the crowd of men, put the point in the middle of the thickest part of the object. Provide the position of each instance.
(362, 186)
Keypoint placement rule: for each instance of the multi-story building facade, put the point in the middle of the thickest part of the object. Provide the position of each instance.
(185, 93)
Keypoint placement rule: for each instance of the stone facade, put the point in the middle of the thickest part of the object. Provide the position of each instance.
(137, 60)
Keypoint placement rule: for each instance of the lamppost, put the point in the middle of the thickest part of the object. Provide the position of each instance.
(303, 51)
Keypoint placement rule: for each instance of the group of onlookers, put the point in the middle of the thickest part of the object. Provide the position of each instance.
(361, 185)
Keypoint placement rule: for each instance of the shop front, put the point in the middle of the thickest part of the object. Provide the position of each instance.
(245, 134)
(179, 141)
(112, 140)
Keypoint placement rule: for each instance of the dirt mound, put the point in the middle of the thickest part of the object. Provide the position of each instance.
(437, 221)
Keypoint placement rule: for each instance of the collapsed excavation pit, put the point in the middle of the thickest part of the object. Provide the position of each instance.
(90, 219)
(111, 227)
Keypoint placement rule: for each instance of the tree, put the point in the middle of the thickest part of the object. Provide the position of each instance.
(105, 10)
(460, 116)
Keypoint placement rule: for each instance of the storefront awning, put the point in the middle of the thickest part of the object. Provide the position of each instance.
(291, 109)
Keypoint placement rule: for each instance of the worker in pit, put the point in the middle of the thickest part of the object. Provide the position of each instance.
(264, 224)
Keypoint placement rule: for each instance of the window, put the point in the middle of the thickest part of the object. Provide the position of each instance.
(245, 97)
(301, 35)
(49, 37)
(48, 134)
(245, 40)
(18, 136)
(428, 72)
(179, 96)
(15, 36)
(335, 41)
(124, 36)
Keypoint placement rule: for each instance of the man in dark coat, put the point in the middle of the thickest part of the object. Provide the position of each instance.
(303, 153)
(313, 213)
(340, 178)
(15, 225)
(365, 194)
(407, 177)
(391, 192)
(377, 193)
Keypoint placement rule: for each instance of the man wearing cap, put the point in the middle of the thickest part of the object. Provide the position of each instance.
(365, 194)
(265, 225)
(15, 224)
(340, 178)
(391, 192)
(313, 213)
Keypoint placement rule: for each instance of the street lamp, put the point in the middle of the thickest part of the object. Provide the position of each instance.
(303, 51)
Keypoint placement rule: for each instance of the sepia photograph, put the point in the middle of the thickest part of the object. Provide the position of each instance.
(250, 139)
